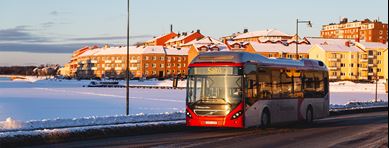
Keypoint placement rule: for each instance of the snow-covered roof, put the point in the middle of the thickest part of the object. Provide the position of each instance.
(369, 45)
(262, 33)
(174, 51)
(205, 41)
(322, 41)
(280, 48)
(339, 48)
(135, 50)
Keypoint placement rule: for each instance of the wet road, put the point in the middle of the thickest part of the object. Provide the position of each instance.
(357, 130)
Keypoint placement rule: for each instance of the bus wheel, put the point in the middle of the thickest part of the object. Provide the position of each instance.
(309, 115)
(265, 119)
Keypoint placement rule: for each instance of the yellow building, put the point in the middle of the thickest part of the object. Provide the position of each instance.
(341, 58)
(374, 56)
(278, 50)
(386, 64)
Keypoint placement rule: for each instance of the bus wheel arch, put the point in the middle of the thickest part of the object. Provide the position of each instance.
(309, 114)
(266, 118)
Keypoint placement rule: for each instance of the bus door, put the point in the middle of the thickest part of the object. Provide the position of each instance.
(252, 113)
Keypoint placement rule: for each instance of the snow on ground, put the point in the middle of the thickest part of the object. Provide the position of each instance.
(54, 103)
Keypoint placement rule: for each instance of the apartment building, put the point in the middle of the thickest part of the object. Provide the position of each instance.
(342, 60)
(277, 50)
(367, 30)
(145, 62)
(374, 57)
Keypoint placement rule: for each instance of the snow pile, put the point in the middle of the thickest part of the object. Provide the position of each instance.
(11, 125)
(359, 105)
(73, 130)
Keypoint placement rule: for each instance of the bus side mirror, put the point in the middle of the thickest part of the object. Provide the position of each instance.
(175, 82)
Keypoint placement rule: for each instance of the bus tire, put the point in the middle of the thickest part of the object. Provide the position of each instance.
(309, 116)
(265, 119)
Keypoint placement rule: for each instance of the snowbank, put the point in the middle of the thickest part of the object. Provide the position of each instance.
(12, 125)
(358, 105)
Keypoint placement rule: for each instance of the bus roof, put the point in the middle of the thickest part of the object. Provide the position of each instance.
(245, 57)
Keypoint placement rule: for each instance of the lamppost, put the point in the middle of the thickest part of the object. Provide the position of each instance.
(309, 23)
(128, 61)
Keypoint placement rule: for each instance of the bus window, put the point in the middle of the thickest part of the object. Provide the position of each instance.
(264, 84)
(309, 84)
(286, 84)
(297, 85)
(252, 85)
(276, 84)
(326, 83)
(319, 83)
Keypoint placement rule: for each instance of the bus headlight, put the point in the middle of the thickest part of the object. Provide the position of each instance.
(188, 114)
(237, 115)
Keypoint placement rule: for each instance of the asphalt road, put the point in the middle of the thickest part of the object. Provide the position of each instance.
(357, 130)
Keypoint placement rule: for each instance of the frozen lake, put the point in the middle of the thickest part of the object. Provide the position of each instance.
(68, 99)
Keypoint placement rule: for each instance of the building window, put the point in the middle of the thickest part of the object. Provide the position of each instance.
(154, 58)
(162, 65)
(162, 58)
(146, 65)
(379, 53)
(154, 65)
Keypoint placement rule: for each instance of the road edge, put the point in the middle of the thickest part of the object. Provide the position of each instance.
(96, 132)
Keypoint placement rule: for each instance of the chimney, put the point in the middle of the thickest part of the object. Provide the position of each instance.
(245, 31)
(198, 31)
(357, 40)
(348, 44)
(171, 28)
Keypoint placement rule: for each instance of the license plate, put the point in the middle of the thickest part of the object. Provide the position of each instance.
(211, 122)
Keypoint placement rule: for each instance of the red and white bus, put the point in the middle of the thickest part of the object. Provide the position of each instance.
(240, 90)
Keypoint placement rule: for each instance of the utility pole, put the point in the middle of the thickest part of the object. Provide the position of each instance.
(309, 23)
(128, 61)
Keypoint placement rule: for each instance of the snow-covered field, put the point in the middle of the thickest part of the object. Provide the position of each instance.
(46, 103)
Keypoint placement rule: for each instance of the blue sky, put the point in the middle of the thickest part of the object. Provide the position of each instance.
(54, 26)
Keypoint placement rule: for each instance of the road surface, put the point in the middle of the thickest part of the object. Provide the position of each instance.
(357, 130)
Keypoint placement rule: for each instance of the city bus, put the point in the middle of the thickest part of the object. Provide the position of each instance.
(242, 90)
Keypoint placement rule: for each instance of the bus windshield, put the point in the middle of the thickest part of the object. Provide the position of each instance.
(214, 95)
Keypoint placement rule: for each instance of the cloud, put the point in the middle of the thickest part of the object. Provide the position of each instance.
(41, 48)
(110, 38)
(54, 13)
(20, 34)
(47, 25)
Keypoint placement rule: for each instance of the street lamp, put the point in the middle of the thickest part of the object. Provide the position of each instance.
(128, 61)
(309, 23)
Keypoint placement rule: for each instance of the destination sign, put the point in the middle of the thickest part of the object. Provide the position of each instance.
(213, 71)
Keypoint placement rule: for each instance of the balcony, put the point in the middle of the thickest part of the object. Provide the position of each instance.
(372, 65)
(371, 57)
(334, 60)
(94, 68)
(371, 73)
(364, 69)
(364, 60)
(333, 68)
(118, 61)
(134, 68)
(334, 77)
(108, 68)
(134, 61)
(363, 78)
(108, 61)
(118, 68)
